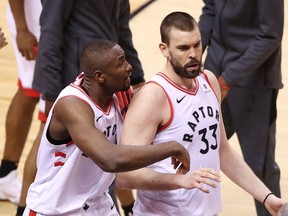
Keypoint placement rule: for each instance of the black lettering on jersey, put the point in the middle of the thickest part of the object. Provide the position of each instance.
(204, 133)
(196, 115)
(217, 115)
(203, 112)
(210, 111)
(188, 137)
(192, 125)
(114, 130)
(213, 128)
(208, 133)
(85, 207)
(110, 131)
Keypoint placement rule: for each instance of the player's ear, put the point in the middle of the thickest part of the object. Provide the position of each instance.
(164, 49)
(99, 76)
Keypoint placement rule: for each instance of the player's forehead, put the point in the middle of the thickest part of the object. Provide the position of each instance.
(179, 36)
(113, 55)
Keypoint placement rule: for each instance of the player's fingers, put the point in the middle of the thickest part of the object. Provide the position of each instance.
(182, 169)
(202, 184)
(30, 55)
(3, 43)
(176, 164)
(23, 53)
(173, 160)
(202, 188)
(210, 173)
(208, 182)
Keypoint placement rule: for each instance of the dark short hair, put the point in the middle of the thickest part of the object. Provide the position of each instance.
(178, 20)
(93, 53)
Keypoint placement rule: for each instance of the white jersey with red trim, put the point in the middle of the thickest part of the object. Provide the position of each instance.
(195, 123)
(66, 177)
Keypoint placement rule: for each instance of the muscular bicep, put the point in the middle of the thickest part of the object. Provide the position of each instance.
(146, 113)
(75, 117)
(71, 116)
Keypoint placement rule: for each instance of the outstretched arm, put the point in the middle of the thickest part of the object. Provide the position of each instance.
(233, 165)
(145, 114)
(79, 124)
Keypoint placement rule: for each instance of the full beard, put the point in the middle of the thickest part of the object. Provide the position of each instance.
(182, 70)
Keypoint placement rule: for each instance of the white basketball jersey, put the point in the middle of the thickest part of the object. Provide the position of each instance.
(66, 177)
(195, 123)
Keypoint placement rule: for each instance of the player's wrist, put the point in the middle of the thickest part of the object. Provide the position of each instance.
(223, 84)
(266, 197)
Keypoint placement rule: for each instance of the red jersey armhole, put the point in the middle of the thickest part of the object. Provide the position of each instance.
(170, 107)
(208, 81)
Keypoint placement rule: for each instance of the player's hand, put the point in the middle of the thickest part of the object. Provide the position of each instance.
(3, 41)
(273, 204)
(181, 160)
(26, 43)
(199, 178)
(283, 210)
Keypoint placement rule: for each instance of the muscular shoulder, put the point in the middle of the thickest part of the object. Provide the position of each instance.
(213, 81)
(151, 92)
(145, 114)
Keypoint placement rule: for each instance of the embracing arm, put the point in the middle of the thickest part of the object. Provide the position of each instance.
(145, 114)
(138, 126)
(79, 124)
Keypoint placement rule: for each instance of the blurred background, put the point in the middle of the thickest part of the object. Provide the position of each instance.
(146, 37)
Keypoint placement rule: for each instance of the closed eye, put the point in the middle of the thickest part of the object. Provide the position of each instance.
(121, 60)
(183, 47)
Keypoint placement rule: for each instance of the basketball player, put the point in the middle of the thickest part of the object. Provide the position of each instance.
(183, 104)
(77, 154)
(75, 23)
(3, 41)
